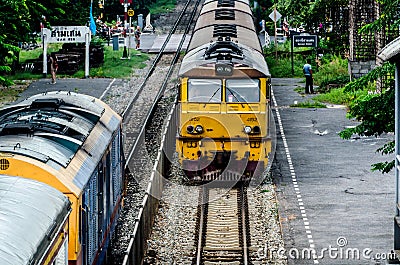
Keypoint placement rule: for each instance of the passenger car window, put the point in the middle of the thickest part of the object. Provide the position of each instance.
(204, 90)
(242, 90)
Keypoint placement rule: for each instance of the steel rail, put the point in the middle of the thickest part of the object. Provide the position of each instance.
(244, 227)
(242, 231)
(203, 198)
(177, 54)
(161, 91)
(156, 60)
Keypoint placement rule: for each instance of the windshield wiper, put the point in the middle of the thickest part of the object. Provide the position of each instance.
(233, 94)
(212, 97)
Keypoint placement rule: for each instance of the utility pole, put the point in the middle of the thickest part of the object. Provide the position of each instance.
(275, 25)
(275, 40)
(125, 3)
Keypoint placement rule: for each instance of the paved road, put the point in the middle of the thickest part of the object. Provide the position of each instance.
(90, 86)
(328, 192)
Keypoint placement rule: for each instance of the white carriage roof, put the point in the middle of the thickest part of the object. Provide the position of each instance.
(28, 212)
(50, 127)
(391, 52)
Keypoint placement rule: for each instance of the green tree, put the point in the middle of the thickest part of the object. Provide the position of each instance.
(19, 19)
(389, 18)
(14, 21)
(297, 11)
(376, 110)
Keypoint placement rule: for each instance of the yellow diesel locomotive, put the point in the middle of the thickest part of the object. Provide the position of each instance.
(73, 143)
(224, 98)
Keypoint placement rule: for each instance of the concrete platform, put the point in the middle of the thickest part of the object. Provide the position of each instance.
(329, 199)
(151, 43)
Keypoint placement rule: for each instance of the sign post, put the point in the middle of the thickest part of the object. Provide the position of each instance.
(66, 34)
(303, 41)
(125, 3)
(131, 12)
(275, 16)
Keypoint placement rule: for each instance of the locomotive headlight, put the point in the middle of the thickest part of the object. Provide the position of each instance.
(247, 129)
(199, 129)
(256, 129)
(223, 69)
(190, 129)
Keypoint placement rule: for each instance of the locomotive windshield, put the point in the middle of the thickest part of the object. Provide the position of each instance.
(204, 90)
(242, 90)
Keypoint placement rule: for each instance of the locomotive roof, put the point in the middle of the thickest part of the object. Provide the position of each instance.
(65, 131)
(226, 16)
(234, 21)
(225, 2)
(211, 5)
(29, 210)
(199, 59)
(237, 33)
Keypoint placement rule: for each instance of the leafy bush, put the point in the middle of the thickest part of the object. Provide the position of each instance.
(333, 70)
(162, 6)
(282, 67)
(340, 80)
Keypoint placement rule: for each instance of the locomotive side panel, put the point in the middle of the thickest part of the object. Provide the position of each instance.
(73, 143)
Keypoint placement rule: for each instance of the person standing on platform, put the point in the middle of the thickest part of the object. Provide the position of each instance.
(137, 37)
(307, 70)
(53, 67)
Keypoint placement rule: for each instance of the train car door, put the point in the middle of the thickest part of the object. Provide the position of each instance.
(84, 230)
(100, 199)
(109, 194)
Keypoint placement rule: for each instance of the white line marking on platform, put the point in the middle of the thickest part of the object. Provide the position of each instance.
(294, 179)
(108, 88)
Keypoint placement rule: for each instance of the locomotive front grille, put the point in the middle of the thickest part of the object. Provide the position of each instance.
(226, 3)
(224, 14)
(225, 30)
(4, 164)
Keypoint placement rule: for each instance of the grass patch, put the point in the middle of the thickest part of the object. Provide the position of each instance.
(162, 6)
(36, 53)
(9, 94)
(114, 66)
(335, 96)
(300, 90)
(308, 104)
(333, 70)
(282, 67)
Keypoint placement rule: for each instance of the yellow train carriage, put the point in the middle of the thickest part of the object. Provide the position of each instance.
(71, 142)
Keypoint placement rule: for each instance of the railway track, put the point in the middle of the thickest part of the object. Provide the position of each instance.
(223, 230)
(155, 82)
(137, 117)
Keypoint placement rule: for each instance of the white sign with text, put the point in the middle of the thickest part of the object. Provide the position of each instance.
(62, 34)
